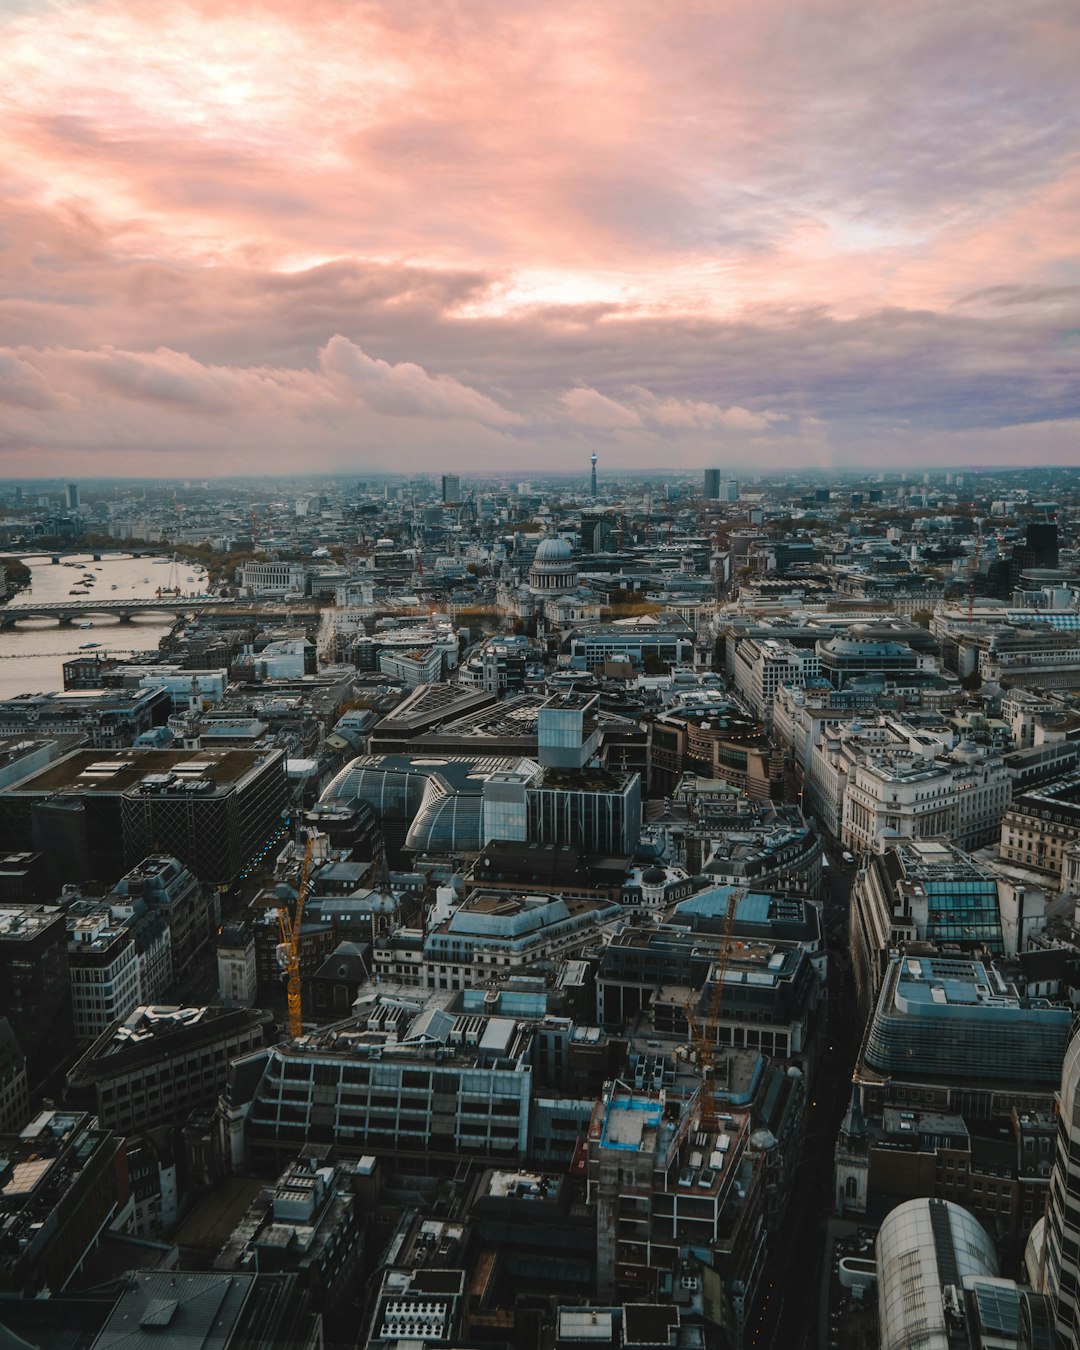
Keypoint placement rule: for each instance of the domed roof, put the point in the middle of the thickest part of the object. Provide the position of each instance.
(554, 550)
(653, 876)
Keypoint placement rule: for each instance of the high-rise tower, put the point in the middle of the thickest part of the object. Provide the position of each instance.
(592, 458)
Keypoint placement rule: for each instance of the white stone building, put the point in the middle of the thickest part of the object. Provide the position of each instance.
(906, 794)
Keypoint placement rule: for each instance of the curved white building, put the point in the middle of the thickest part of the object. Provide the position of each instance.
(1062, 1228)
(927, 1250)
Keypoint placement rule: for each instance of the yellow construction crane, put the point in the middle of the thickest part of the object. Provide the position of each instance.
(289, 948)
(705, 1029)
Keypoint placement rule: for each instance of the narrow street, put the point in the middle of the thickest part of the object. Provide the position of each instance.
(794, 1268)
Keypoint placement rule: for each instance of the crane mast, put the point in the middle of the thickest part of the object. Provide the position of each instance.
(289, 951)
(705, 1031)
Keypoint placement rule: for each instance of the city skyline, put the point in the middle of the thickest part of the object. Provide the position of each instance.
(459, 237)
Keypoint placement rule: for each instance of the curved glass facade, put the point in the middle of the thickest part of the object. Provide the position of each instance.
(396, 792)
(953, 1020)
(447, 821)
(922, 1247)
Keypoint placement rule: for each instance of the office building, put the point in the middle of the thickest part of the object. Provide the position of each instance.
(237, 975)
(212, 1310)
(1041, 829)
(451, 489)
(763, 665)
(665, 639)
(308, 1222)
(1059, 1261)
(925, 890)
(35, 991)
(397, 1083)
(493, 932)
(99, 814)
(190, 910)
(930, 1254)
(14, 1089)
(65, 1179)
(711, 485)
(952, 1030)
(111, 973)
(595, 531)
(108, 719)
(161, 1063)
(71, 495)
(660, 1183)
(898, 793)
(274, 579)
(769, 1005)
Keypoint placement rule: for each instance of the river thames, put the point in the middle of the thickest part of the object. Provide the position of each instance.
(32, 653)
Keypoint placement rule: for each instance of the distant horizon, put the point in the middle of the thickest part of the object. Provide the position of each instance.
(654, 474)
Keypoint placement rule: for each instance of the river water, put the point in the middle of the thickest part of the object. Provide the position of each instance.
(33, 652)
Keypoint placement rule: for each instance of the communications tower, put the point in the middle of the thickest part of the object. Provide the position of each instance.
(592, 458)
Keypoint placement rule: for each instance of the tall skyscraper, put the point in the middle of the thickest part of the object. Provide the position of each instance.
(451, 489)
(1058, 1262)
(711, 490)
(73, 496)
(592, 460)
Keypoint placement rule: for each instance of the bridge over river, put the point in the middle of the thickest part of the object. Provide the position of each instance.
(70, 611)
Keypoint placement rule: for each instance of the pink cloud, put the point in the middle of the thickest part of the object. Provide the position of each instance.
(592, 409)
(405, 390)
(650, 222)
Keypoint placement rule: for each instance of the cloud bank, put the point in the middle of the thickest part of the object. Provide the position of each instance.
(755, 234)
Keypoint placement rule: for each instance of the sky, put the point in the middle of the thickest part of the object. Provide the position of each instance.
(312, 235)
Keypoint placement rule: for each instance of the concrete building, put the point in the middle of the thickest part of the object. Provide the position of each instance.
(237, 975)
(309, 1222)
(169, 889)
(493, 932)
(100, 814)
(219, 1309)
(927, 890)
(14, 1090)
(1040, 830)
(107, 719)
(111, 971)
(65, 1180)
(906, 794)
(35, 992)
(762, 666)
(772, 991)
(160, 1064)
(662, 638)
(659, 1184)
(398, 1083)
(269, 579)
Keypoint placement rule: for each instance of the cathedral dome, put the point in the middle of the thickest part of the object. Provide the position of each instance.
(554, 550)
(553, 567)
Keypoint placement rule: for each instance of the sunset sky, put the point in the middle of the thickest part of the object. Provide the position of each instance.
(307, 235)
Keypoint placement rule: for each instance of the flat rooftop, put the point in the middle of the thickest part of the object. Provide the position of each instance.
(26, 921)
(629, 1123)
(118, 771)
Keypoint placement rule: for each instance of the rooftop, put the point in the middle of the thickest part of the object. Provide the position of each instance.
(119, 771)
